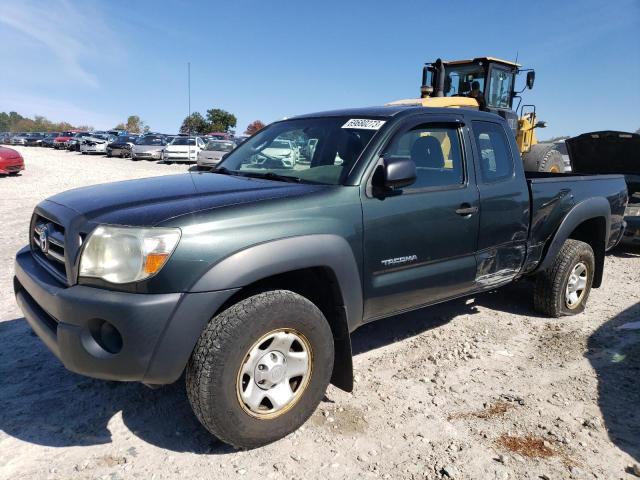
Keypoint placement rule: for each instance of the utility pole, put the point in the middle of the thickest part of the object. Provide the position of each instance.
(189, 93)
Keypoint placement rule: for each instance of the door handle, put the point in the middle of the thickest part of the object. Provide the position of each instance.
(466, 209)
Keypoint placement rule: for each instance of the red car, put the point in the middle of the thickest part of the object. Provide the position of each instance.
(61, 141)
(11, 162)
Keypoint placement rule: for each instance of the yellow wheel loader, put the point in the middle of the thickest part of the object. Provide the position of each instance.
(488, 83)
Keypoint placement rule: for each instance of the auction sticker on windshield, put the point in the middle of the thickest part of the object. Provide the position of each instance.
(364, 124)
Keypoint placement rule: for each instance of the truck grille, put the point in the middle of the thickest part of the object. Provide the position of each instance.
(47, 245)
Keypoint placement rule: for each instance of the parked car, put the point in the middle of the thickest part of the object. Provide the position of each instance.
(183, 149)
(251, 279)
(220, 136)
(19, 139)
(213, 152)
(121, 146)
(34, 139)
(280, 153)
(96, 143)
(49, 138)
(60, 142)
(148, 147)
(73, 145)
(5, 137)
(11, 162)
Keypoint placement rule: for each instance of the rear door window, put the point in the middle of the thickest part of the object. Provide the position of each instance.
(496, 161)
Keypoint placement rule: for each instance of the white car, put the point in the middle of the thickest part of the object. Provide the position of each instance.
(279, 151)
(183, 149)
(213, 152)
(96, 143)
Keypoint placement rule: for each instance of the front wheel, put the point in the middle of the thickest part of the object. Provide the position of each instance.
(564, 288)
(260, 368)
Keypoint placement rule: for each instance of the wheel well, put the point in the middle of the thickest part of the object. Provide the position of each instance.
(320, 286)
(592, 232)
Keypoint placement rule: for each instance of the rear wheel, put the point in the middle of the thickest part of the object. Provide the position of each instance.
(564, 288)
(260, 368)
(543, 158)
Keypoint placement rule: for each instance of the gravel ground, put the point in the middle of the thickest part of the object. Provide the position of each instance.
(478, 388)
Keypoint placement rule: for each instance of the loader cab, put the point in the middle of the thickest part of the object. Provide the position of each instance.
(496, 79)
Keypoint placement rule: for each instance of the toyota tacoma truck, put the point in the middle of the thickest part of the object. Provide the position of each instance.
(250, 278)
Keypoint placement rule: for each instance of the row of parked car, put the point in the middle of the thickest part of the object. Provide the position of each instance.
(206, 151)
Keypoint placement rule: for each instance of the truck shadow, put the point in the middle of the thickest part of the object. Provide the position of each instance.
(626, 251)
(44, 404)
(614, 354)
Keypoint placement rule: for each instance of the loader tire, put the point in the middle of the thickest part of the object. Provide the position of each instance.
(543, 158)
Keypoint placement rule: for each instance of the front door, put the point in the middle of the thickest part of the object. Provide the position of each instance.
(420, 243)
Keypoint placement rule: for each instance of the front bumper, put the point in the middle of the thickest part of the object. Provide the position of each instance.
(157, 331)
(8, 167)
(147, 155)
(93, 149)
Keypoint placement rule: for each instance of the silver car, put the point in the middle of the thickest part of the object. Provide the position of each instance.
(213, 152)
(96, 143)
(148, 147)
(19, 139)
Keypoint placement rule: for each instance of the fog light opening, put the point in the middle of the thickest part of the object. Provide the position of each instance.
(105, 335)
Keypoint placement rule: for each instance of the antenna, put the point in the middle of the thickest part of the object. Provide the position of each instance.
(517, 52)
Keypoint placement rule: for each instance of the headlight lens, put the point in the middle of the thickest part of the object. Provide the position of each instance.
(127, 254)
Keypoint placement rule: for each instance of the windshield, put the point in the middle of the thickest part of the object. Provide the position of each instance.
(218, 146)
(150, 141)
(318, 150)
(460, 80)
(183, 141)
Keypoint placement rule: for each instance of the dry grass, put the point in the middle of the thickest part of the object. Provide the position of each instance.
(527, 446)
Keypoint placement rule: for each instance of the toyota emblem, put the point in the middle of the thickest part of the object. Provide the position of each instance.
(43, 240)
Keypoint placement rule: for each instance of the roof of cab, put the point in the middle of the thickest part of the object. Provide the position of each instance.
(480, 59)
(384, 111)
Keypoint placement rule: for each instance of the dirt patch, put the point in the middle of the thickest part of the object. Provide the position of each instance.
(496, 409)
(345, 419)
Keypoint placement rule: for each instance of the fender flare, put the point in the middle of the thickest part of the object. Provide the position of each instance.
(295, 253)
(586, 210)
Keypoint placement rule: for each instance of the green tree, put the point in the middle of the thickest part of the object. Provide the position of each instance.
(195, 124)
(220, 120)
(133, 125)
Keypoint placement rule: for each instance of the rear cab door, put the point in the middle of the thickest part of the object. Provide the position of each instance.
(420, 242)
(504, 202)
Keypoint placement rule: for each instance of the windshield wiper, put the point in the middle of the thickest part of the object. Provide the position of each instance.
(273, 176)
(224, 171)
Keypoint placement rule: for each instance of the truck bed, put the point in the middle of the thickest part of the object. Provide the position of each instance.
(553, 195)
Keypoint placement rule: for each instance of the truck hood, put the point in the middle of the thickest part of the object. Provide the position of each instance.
(150, 201)
(607, 152)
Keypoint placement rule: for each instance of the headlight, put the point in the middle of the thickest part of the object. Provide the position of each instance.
(127, 254)
(632, 211)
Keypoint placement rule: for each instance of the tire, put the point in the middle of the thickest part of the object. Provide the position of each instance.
(552, 286)
(543, 158)
(215, 380)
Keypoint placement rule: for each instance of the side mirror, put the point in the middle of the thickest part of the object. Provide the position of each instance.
(531, 78)
(398, 173)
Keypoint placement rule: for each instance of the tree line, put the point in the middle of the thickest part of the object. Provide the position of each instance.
(216, 120)
(14, 122)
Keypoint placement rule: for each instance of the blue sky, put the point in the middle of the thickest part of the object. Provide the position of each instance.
(98, 62)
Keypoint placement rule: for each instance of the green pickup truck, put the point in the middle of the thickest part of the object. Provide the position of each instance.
(251, 277)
